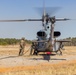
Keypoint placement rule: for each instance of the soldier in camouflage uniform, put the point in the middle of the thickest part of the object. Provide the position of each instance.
(22, 46)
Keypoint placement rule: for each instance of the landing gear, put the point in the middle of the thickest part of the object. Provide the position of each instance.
(60, 52)
(35, 52)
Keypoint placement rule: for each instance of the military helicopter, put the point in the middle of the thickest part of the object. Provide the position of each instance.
(46, 38)
(45, 43)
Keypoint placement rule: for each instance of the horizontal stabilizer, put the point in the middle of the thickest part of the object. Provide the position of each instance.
(39, 41)
(63, 40)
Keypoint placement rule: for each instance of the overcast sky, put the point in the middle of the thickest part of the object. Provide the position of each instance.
(26, 9)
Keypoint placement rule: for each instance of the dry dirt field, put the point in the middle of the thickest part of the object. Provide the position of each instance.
(12, 64)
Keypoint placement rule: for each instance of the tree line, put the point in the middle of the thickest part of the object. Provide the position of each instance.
(12, 41)
(72, 43)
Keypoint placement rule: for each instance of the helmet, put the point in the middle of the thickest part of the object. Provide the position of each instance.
(23, 38)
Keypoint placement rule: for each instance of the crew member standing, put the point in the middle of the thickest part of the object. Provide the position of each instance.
(22, 46)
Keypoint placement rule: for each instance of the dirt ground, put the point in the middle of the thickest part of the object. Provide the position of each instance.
(10, 61)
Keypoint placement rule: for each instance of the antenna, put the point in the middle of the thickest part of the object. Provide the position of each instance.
(44, 8)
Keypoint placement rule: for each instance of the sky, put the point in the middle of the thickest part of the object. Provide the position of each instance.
(26, 9)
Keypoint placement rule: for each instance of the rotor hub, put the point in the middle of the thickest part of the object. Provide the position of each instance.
(52, 20)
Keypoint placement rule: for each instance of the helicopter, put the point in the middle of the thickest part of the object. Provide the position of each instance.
(47, 37)
(50, 44)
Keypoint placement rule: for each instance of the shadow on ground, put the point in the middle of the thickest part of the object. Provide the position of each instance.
(8, 57)
(46, 57)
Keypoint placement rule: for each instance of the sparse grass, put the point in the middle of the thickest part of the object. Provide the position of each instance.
(61, 68)
(65, 68)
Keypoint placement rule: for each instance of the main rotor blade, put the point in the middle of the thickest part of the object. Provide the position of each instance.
(64, 19)
(21, 20)
(12, 20)
(48, 10)
(33, 19)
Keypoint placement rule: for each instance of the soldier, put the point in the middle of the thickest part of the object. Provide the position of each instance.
(22, 46)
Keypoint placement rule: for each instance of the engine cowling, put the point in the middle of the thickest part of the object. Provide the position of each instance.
(41, 34)
(56, 34)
